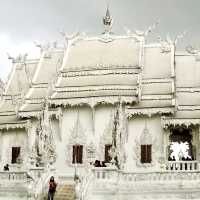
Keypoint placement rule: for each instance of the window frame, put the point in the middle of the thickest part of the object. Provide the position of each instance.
(15, 150)
(77, 154)
(107, 157)
(146, 153)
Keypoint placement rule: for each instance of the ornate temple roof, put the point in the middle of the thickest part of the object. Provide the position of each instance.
(46, 72)
(108, 68)
(105, 68)
(17, 85)
(102, 52)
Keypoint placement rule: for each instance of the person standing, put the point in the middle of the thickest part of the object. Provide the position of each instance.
(6, 167)
(52, 188)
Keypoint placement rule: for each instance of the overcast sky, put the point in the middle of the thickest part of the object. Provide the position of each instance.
(25, 21)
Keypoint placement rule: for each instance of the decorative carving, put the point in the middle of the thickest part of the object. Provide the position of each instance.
(77, 137)
(138, 33)
(21, 58)
(107, 22)
(46, 46)
(91, 151)
(9, 126)
(195, 52)
(106, 137)
(191, 50)
(115, 133)
(94, 101)
(168, 123)
(70, 39)
(148, 30)
(145, 139)
(148, 111)
(166, 45)
(100, 69)
(45, 146)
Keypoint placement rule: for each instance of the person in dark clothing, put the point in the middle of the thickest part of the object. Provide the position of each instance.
(52, 188)
(97, 163)
(6, 167)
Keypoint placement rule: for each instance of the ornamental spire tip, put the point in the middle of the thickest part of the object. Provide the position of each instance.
(107, 21)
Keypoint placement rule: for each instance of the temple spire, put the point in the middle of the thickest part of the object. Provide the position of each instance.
(107, 21)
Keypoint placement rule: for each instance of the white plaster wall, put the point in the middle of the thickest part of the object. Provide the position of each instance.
(92, 130)
(12, 138)
(102, 116)
(32, 133)
(183, 65)
(135, 129)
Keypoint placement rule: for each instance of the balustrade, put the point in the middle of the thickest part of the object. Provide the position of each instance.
(13, 176)
(158, 176)
(105, 173)
(182, 166)
(36, 172)
(175, 171)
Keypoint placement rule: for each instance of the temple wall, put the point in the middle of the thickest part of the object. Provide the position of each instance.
(136, 127)
(92, 123)
(13, 138)
(157, 64)
(185, 64)
(95, 126)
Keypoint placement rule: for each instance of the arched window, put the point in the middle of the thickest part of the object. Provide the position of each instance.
(77, 155)
(181, 147)
(146, 150)
(145, 146)
(15, 154)
(107, 157)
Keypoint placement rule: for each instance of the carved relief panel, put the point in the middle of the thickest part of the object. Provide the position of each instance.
(106, 138)
(77, 137)
(145, 148)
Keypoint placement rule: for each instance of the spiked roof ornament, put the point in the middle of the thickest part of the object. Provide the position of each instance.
(107, 21)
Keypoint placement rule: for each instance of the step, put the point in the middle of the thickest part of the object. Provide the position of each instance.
(65, 192)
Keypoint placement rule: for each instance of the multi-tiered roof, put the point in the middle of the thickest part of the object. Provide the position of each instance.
(148, 78)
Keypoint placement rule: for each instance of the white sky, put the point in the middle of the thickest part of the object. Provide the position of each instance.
(25, 21)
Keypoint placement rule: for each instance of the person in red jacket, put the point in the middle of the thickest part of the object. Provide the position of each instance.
(52, 188)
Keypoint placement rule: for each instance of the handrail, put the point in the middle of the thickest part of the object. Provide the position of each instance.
(41, 185)
(109, 175)
(85, 184)
(190, 165)
(16, 176)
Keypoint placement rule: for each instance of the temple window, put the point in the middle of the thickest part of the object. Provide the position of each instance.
(145, 146)
(15, 154)
(181, 147)
(107, 153)
(77, 156)
(146, 153)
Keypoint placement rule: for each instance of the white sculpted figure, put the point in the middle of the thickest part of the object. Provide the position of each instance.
(180, 150)
(69, 38)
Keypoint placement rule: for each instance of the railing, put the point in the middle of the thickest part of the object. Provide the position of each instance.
(158, 176)
(35, 180)
(14, 176)
(85, 184)
(40, 186)
(36, 172)
(105, 173)
(182, 166)
(188, 172)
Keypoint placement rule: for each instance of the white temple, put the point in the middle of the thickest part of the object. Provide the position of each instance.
(102, 115)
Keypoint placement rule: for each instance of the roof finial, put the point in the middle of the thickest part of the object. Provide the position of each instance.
(107, 21)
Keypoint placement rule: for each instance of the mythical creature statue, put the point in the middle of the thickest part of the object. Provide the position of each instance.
(21, 58)
(69, 38)
(44, 145)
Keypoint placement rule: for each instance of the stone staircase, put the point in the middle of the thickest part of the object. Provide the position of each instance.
(65, 192)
